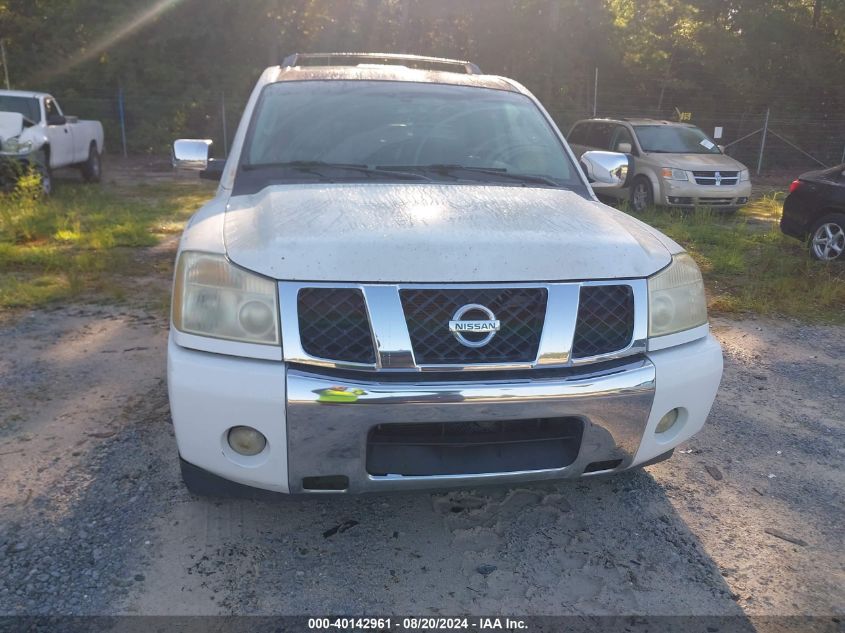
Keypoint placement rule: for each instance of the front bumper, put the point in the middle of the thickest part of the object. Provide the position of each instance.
(311, 435)
(690, 194)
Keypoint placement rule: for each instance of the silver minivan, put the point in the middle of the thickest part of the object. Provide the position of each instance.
(674, 164)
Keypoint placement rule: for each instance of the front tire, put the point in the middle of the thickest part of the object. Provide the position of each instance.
(92, 168)
(642, 195)
(827, 238)
(45, 175)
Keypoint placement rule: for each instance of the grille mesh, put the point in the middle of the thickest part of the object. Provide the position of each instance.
(709, 177)
(605, 320)
(520, 310)
(333, 324)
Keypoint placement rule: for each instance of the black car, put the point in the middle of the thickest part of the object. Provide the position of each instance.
(814, 211)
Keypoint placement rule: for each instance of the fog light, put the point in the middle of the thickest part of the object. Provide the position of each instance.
(667, 421)
(245, 440)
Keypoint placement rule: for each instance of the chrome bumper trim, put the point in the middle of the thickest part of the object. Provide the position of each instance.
(328, 419)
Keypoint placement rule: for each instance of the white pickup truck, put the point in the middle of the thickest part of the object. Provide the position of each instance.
(405, 280)
(35, 132)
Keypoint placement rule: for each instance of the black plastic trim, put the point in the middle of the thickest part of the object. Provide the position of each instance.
(205, 484)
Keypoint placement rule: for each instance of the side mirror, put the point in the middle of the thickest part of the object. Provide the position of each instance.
(624, 148)
(191, 154)
(606, 170)
(56, 119)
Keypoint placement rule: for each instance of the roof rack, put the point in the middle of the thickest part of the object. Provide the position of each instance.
(353, 59)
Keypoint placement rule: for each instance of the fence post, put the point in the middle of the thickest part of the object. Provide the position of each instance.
(5, 63)
(225, 129)
(596, 93)
(763, 142)
(122, 116)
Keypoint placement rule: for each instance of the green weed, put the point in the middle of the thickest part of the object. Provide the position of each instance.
(750, 266)
(80, 240)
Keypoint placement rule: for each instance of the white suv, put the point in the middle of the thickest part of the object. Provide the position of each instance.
(405, 281)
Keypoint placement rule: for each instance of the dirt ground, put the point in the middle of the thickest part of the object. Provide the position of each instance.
(745, 519)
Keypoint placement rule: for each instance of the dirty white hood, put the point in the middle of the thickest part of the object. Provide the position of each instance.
(11, 124)
(435, 233)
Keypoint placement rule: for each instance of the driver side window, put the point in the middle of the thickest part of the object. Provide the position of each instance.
(599, 136)
(51, 109)
(620, 138)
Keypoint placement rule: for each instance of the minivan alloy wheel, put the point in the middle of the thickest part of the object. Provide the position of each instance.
(641, 197)
(828, 241)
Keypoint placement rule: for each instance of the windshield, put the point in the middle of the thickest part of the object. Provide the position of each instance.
(385, 130)
(27, 106)
(674, 139)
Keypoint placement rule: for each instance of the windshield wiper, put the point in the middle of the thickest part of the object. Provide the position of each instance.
(445, 169)
(319, 168)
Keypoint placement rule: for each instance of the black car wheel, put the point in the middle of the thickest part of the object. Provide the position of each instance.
(45, 176)
(642, 196)
(92, 168)
(827, 238)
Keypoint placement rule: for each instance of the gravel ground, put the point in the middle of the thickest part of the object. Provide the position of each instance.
(746, 519)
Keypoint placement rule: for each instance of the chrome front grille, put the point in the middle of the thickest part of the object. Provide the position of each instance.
(520, 310)
(716, 178)
(374, 327)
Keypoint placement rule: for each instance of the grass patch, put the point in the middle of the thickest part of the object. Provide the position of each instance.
(85, 240)
(750, 266)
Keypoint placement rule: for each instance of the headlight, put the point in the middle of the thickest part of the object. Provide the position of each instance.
(212, 297)
(676, 299)
(674, 174)
(15, 146)
(744, 176)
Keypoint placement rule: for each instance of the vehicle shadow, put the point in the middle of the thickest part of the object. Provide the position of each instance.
(602, 546)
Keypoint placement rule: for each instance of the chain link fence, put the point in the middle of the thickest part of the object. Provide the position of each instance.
(765, 139)
(147, 124)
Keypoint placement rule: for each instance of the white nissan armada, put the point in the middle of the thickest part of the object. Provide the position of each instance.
(405, 280)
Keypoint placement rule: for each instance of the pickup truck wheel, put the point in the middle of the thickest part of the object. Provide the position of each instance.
(45, 175)
(642, 196)
(827, 238)
(92, 168)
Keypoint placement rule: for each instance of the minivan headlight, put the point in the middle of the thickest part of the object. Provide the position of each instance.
(674, 174)
(213, 297)
(744, 176)
(676, 300)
